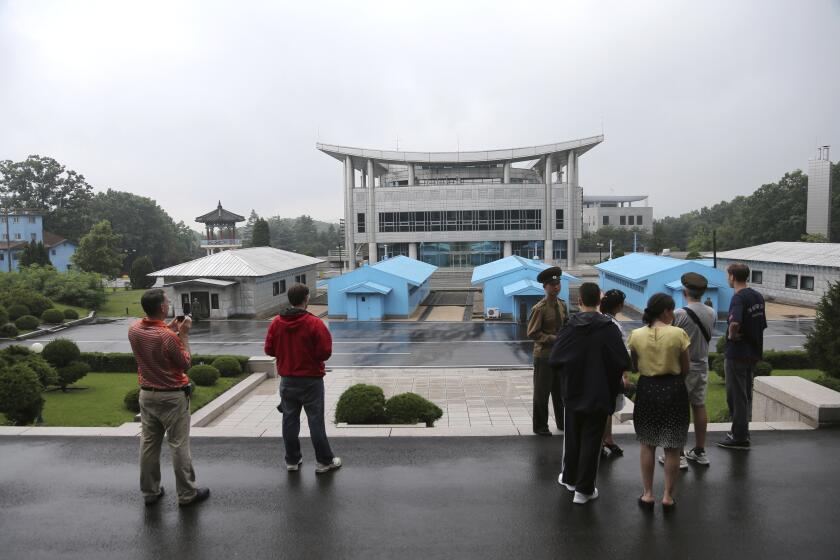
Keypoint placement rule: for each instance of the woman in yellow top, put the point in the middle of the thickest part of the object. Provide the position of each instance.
(661, 416)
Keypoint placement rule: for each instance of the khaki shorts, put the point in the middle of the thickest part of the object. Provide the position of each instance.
(696, 383)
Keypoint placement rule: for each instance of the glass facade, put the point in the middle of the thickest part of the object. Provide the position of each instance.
(460, 220)
(528, 249)
(461, 253)
(391, 250)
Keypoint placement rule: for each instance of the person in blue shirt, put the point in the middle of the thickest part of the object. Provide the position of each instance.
(744, 348)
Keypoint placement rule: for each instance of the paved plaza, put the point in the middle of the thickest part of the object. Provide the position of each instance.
(404, 498)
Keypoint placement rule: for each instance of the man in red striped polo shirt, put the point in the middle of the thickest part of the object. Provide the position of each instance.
(163, 355)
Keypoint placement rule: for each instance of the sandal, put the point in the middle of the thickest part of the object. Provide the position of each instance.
(646, 505)
(614, 449)
(668, 508)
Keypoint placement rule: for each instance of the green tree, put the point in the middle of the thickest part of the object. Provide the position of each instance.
(262, 234)
(35, 253)
(823, 341)
(100, 251)
(43, 183)
(814, 238)
(246, 233)
(138, 274)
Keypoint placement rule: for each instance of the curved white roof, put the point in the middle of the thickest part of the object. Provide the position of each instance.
(254, 261)
(581, 146)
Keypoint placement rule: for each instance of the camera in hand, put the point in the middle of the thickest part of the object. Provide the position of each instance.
(186, 308)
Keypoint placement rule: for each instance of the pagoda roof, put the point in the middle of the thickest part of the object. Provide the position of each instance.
(220, 215)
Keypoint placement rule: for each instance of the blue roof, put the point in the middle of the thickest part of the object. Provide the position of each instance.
(524, 288)
(367, 288)
(416, 272)
(638, 266)
(485, 272)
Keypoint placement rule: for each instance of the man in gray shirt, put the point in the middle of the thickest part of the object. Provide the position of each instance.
(698, 320)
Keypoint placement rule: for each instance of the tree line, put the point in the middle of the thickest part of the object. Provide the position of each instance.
(301, 235)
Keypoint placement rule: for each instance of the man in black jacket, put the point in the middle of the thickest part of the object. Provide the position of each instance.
(591, 356)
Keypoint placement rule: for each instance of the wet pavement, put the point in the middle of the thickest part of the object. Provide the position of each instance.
(402, 498)
(385, 344)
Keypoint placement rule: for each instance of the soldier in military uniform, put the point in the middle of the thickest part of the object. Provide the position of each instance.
(548, 316)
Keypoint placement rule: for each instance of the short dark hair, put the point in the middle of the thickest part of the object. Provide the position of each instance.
(656, 306)
(590, 294)
(739, 271)
(152, 300)
(694, 293)
(612, 300)
(297, 294)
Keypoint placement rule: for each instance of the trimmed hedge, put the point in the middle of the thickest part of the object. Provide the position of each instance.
(132, 400)
(27, 322)
(52, 316)
(61, 352)
(361, 404)
(4, 315)
(228, 366)
(20, 394)
(71, 314)
(830, 382)
(203, 375)
(35, 301)
(18, 310)
(9, 330)
(124, 362)
(789, 359)
(72, 372)
(411, 408)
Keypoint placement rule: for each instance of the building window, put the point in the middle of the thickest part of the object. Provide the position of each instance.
(460, 220)
(275, 289)
(300, 279)
(606, 221)
(638, 220)
(2, 257)
(17, 236)
(15, 220)
(791, 281)
(33, 237)
(558, 219)
(757, 277)
(806, 283)
(632, 220)
(282, 286)
(622, 220)
(214, 301)
(360, 222)
(31, 219)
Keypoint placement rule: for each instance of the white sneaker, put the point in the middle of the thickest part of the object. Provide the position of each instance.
(569, 487)
(335, 464)
(698, 456)
(683, 461)
(583, 498)
(295, 468)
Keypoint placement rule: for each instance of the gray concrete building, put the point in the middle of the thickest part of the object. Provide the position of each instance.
(463, 209)
(788, 271)
(237, 282)
(819, 194)
(617, 211)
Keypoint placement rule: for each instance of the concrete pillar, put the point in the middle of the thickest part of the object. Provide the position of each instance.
(508, 249)
(506, 173)
(548, 212)
(412, 250)
(370, 216)
(411, 176)
(349, 215)
(571, 213)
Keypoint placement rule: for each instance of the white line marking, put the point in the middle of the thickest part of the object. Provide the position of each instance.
(371, 354)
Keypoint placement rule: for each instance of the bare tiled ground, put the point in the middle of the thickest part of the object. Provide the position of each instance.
(469, 397)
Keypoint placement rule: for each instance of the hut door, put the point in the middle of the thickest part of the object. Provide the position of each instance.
(200, 305)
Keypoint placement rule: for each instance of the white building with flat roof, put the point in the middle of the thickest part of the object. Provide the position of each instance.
(617, 211)
(788, 271)
(463, 209)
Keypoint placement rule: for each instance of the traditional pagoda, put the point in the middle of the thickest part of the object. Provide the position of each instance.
(220, 230)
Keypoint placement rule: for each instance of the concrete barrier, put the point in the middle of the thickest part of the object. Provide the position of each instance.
(262, 364)
(794, 399)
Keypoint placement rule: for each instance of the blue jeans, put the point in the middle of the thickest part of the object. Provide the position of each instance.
(306, 393)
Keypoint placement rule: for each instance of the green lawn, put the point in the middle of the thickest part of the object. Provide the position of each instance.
(101, 404)
(118, 301)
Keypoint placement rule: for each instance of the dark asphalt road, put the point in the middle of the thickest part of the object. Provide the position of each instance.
(402, 498)
(358, 344)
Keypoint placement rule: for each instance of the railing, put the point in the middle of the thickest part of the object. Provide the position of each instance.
(205, 242)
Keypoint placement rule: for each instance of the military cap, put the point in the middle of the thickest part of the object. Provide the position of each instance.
(550, 275)
(695, 281)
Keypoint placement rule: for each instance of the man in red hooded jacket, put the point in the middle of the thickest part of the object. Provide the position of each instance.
(301, 343)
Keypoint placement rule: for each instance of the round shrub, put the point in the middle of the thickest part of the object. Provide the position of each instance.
(763, 368)
(720, 345)
(18, 310)
(410, 408)
(17, 354)
(132, 400)
(52, 316)
(228, 366)
(61, 352)
(72, 372)
(4, 316)
(361, 404)
(71, 314)
(27, 322)
(203, 375)
(20, 394)
(9, 330)
(35, 301)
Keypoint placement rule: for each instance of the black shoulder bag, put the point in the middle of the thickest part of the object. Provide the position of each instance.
(706, 334)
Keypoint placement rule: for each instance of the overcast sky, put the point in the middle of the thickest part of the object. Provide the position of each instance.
(191, 102)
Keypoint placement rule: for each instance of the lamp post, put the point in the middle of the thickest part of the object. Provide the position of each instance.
(600, 247)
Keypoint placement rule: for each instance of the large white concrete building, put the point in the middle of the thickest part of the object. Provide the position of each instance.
(463, 209)
(618, 212)
(818, 217)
